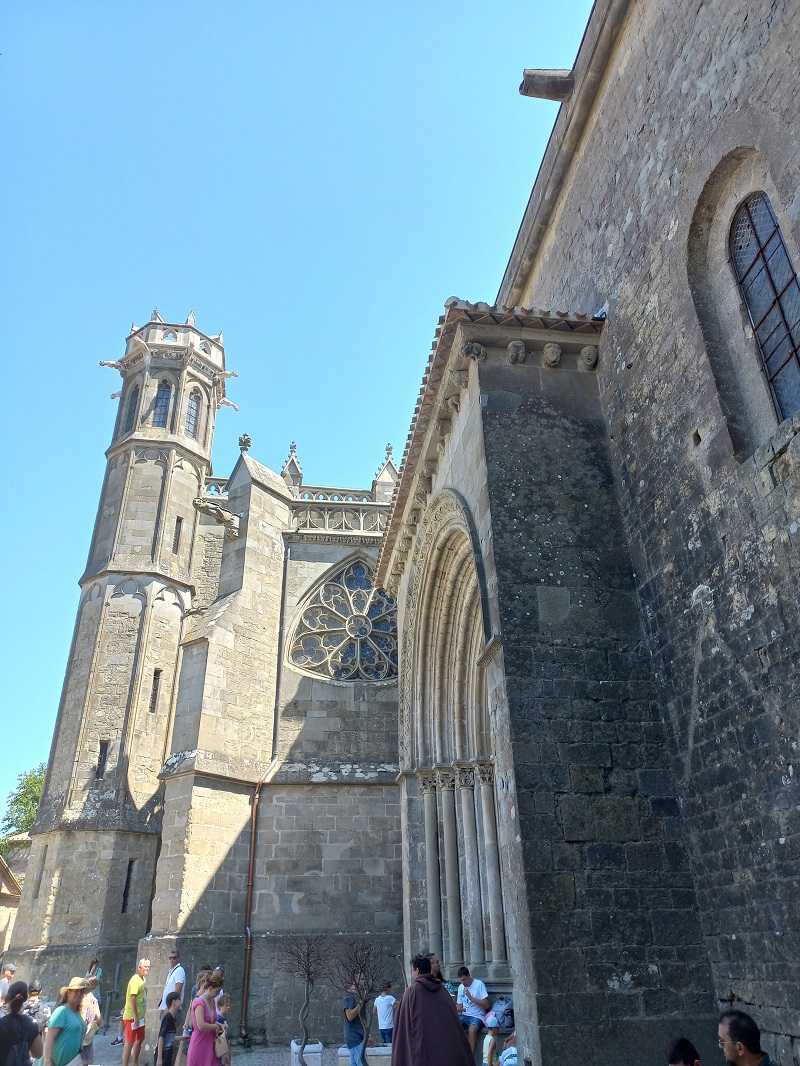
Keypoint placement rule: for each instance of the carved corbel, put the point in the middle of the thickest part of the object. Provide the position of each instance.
(551, 354)
(429, 468)
(460, 378)
(516, 352)
(588, 358)
(465, 777)
(441, 448)
(442, 426)
(427, 781)
(454, 402)
(446, 778)
(473, 350)
(484, 771)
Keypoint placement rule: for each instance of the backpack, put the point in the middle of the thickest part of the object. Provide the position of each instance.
(17, 1054)
(503, 1008)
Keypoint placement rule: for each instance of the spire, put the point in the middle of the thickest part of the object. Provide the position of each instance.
(386, 478)
(156, 317)
(190, 319)
(292, 472)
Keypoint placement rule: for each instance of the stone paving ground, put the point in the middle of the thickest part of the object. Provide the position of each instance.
(105, 1054)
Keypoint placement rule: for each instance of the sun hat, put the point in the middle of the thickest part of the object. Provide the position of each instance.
(77, 984)
(491, 1022)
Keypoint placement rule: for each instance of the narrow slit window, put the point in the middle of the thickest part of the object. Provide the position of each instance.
(193, 413)
(176, 536)
(161, 411)
(130, 414)
(771, 294)
(102, 759)
(154, 691)
(127, 889)
(37, 885)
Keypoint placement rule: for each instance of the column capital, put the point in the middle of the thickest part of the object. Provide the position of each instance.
(484, 772)
(445, 778)
(427, 780)
(465, 776)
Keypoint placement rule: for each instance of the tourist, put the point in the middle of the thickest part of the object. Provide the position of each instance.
(472, 1003)
(223, 1007)
(16, 1027)
(353, 1026)
(427, 1031)
(90, 1012)
(176, 979)
(66, 1028)
(95, 970)
(35, 1007)
(385, 1006)
(682, 1052)
(203, 973)
(509, 1055)
(740, 1040)
(133, 1015)
(5, 982)
(205, 1027)
(490, 1040)
(220, 971)
(167, 1034)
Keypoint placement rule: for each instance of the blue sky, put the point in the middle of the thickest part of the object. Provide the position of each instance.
(313, 178)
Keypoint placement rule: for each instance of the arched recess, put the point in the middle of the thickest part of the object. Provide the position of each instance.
(732, 348)
(445, 738)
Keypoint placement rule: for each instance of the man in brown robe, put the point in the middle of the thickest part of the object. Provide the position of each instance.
(427, 1029)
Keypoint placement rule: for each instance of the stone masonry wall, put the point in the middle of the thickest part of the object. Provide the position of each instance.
(617, 946)
(713, 532)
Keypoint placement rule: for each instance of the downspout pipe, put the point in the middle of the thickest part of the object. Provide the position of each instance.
(248, 911)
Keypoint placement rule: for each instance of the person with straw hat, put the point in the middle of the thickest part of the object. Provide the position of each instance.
(66, 1029)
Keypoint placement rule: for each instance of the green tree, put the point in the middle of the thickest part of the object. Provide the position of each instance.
(22, 805)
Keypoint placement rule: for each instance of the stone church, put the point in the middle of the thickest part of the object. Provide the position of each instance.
(530, 700)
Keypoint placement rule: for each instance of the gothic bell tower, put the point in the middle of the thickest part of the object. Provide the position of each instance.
(95, 841)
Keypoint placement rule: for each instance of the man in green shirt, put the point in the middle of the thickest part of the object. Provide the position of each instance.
(133, 1015)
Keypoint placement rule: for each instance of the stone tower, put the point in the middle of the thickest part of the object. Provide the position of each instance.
(96, 839)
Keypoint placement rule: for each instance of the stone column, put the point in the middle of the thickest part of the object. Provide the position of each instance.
(446, 780)
(427, 782)
(465, 778)
(485, 774)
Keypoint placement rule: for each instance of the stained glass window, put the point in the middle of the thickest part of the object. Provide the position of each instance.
(348, 629)
(130, 415)
(193, 413)
(162, 404)
(772, 295)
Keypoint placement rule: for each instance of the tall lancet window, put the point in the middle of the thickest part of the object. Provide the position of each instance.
(130, 414)
(193, 413)
(771, 292)
(162, 404)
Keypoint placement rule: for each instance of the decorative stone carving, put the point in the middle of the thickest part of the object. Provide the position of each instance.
(465, 777)
(115, 365)
(429, 468)
(442, 426)
(245, 442)
(427, 781)
(223, 401)
(473, 350)
(460, 378)
(441, 448)
(484, 771)
(446, 778)
(588, 357)
(453, 402)
(551, 354)
(219, 514)
(516, 352)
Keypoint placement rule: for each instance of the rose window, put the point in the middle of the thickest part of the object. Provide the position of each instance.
(348, 629)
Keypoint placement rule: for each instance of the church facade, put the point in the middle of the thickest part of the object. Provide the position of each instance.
(529, 701)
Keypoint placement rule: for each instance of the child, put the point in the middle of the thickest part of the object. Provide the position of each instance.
(223, 1006)
(167, 1038)
(490, 1041)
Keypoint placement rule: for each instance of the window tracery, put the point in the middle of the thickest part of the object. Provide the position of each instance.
(348, 629)
(161, 410)
(130, 415)
(771, 293)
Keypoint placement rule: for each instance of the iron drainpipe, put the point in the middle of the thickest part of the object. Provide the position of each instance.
(248, 950)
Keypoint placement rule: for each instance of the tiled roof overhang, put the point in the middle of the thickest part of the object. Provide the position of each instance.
(458, 312)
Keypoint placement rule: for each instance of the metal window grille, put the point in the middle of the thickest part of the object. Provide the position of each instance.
(130, 414)
(771, 293)
(162, 405)
(154, 691)
(102, 759)
(193, 414)
(176, 536)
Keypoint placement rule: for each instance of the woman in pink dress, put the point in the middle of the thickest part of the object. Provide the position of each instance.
(205, 1028)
